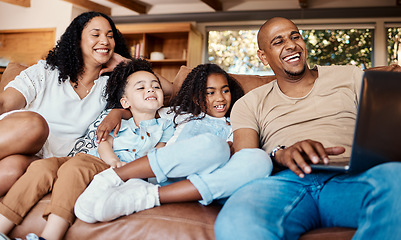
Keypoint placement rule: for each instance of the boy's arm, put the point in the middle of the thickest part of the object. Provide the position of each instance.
(107, 154)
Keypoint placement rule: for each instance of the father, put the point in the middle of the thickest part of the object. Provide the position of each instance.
(312, 113)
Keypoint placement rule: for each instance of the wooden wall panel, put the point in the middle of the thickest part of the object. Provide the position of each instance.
(26, 46)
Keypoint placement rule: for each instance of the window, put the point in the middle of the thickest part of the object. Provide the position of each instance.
(235, 50)
(339, 46)
(394, 45)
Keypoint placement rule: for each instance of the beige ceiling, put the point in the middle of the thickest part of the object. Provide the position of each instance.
(148, 7)
(187, 6)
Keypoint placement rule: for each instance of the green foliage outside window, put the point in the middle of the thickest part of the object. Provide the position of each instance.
(340, 47)
(394, 45)
(235, 51)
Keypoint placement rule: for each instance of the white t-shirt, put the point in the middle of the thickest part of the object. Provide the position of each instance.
(67, 115)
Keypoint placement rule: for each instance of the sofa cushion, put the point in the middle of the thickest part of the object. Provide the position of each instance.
(170, 221)
(33, 221)
(189, 220)
(334, 233)
(88, 142)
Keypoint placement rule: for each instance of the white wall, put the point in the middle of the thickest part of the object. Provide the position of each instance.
(42, 14)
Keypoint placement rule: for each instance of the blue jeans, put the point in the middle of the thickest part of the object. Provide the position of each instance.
(205, 161)
(285, 206)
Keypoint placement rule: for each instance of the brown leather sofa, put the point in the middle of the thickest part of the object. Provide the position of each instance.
(169, 221)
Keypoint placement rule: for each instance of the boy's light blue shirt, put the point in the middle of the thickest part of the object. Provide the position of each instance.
(133, 142)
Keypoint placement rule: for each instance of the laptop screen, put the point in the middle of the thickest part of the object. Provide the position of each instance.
(378, 128)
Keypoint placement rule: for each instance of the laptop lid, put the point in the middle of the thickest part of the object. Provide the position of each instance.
(377, 134)
(377, 137)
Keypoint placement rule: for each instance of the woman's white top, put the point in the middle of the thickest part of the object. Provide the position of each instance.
(67, 115)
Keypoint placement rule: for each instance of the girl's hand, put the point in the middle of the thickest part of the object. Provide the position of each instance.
(110, 122)
(112, 63)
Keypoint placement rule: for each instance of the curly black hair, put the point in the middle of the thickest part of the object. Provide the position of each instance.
(115, 87)
(66, 56)
(192, 95)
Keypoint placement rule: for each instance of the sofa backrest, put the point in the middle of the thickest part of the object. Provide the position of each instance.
(248, 82)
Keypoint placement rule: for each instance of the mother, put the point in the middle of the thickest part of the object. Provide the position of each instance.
(60, 96)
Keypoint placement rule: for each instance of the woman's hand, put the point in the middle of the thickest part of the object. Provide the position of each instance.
(112, 63)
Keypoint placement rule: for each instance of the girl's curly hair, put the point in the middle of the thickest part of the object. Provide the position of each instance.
(117, 82)
(192, 95)
(66, 56)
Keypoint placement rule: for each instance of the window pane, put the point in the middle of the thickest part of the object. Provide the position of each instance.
(394, 45)
(340, 47)
(235, 51)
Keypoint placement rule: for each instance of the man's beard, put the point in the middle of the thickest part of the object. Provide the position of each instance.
(295, 75)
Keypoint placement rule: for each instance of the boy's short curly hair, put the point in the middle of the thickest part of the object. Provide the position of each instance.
(117, 82)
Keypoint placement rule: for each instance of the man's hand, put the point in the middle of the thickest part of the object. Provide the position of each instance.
(296, 156)
(112, 63)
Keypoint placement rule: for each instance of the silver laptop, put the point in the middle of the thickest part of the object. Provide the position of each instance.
(377, 136)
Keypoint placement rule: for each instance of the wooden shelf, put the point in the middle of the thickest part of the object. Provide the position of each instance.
(178, 61)
(180, 43)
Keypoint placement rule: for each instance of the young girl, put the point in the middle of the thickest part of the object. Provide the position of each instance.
(197, 166)
(135, 87)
